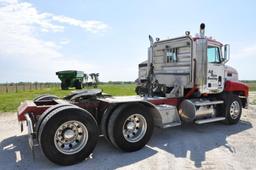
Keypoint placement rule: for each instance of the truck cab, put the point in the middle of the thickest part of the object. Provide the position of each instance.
(184, 63)
(215, 67)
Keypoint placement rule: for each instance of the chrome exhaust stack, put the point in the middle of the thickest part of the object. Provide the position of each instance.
(202, 30)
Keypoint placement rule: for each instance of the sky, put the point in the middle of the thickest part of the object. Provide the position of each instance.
(38, 38)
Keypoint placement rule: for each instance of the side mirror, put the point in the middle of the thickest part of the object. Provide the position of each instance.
(226, 53)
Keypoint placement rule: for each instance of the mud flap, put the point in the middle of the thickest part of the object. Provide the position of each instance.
(31, 135)
(21, 127)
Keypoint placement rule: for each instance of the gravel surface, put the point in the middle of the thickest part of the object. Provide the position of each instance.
(208, 146)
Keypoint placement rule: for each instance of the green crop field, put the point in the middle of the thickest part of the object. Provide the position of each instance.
(10, 101)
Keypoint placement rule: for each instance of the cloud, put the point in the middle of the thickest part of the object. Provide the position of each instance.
(26, 13)
(91, 26)
(64, 42)
(24, 55)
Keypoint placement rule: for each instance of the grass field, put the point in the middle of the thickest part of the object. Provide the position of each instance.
(252, 86)
(10, 101)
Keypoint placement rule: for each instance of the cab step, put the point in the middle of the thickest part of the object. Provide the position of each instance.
(215, 119)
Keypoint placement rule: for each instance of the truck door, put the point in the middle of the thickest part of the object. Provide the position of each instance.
(215, 70)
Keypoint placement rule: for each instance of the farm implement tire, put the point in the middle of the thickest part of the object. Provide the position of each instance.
(63, 86)
(78, 84)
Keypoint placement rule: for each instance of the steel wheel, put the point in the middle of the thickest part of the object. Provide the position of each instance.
(68, 135)
(71, 137)
(134, 128)
(130, 127)
(231, 108)
(234, 109)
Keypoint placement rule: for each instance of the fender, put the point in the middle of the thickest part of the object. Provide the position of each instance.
(46, 112)
(235, 86)
(104, 120)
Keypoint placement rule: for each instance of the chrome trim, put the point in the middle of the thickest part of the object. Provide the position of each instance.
(209, 120)
(71, 137)
(167, 116)
(234, 110)
(134, 128)
(206, 103)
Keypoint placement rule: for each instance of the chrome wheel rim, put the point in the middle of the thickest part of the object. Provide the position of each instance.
(234, 109)
(134, 128)
(71, 137)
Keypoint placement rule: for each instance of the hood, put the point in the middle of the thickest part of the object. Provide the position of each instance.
(231, 73)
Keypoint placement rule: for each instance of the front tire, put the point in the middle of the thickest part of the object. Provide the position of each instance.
(231, 109)
(68, 135)
(130, 127)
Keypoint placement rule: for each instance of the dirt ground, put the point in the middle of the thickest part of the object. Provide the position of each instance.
(208, 146)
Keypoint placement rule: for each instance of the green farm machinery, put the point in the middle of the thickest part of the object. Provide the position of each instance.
(71, 78)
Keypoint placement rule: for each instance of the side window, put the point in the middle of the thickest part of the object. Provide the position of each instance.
(171, 55)
(213, 54)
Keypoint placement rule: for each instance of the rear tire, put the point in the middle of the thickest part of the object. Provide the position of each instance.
(68, 135)
(105, 121)
(130, 127)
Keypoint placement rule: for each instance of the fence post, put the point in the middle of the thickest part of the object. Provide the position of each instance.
(30, 86)
(16, 87)
(6, 88)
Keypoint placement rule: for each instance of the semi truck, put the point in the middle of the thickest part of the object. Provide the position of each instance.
(184, 80)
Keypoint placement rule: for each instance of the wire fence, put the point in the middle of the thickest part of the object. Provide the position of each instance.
(16, 87)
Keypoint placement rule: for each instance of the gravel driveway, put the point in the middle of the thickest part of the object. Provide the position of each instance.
(209, 146)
